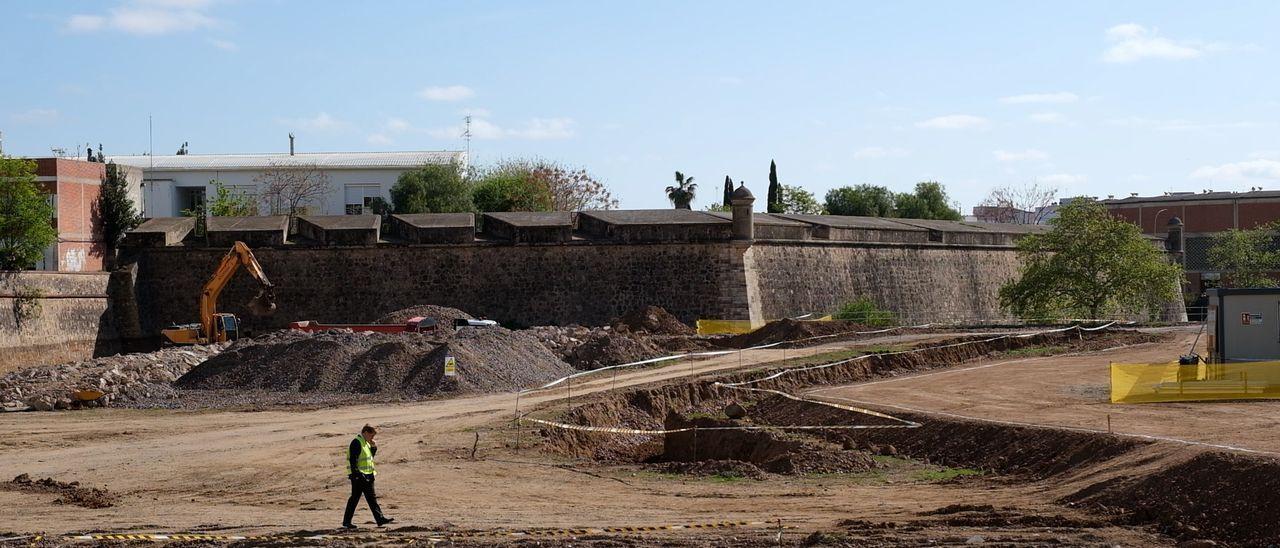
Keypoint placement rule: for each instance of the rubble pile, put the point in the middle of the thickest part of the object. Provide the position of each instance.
(121, 378)
(653, 320)
(443, 315)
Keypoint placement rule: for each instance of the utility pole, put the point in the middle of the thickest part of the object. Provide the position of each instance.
(466, 134)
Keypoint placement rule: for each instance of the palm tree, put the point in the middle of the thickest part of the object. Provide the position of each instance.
(682, 193)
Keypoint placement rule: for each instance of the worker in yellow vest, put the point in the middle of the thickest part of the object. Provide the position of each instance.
(360, 471)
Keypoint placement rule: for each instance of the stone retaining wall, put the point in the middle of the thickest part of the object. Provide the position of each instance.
(54, 317)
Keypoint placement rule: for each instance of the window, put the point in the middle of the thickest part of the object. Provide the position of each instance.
(359, 197)
(52, 200)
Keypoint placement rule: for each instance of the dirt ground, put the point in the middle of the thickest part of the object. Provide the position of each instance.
(281, 471)
(1072, 391)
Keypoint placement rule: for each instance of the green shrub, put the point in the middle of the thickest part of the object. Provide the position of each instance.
(864, 311)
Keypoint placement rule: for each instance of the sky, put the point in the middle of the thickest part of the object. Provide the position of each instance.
(1092, 97)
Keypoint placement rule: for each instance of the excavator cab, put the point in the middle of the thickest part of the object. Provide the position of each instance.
(227, 326)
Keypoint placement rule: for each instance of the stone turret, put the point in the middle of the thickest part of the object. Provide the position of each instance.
(743, 218)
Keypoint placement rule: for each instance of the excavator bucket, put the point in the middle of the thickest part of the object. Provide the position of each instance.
(264, 304)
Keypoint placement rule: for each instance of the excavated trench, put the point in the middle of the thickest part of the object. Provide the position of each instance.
(1185, 492)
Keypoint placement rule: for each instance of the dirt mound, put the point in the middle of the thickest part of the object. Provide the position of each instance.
(654, 320)
(606, 349)
(68, 493)
(399, 365)
(443, 315)
(791, 330)
(727, 469)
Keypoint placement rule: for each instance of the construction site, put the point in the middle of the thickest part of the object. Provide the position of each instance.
(648, 428)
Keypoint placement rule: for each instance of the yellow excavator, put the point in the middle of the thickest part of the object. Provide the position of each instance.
(217, 326)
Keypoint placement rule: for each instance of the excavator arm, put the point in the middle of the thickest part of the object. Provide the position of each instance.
(261, 305)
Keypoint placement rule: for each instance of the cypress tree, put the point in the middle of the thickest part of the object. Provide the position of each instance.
(728, 191)
(775, 191)
(116, 207)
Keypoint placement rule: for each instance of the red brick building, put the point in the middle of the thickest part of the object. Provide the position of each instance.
(72, 187)
(1202, 216)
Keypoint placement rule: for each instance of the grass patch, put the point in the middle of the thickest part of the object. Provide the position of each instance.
(944, 474)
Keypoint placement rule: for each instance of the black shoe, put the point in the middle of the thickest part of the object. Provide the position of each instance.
(385, 521)
(349, 527)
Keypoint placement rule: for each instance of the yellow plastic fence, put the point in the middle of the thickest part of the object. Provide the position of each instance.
(1165, 382)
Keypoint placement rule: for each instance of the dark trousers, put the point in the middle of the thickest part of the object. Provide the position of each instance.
(362, 486)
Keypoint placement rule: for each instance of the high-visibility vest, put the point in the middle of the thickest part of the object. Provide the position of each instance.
(365, 461)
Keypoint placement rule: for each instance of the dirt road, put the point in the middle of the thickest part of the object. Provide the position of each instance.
(278, 471)
(1071, 391)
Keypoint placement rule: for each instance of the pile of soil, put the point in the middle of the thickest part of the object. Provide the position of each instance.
(443, 315)
(605, 349)
(792, 330)
(654, 320)
(68, 493)
(400, 365)
(721, 468)
(776, 451)
(121, 379)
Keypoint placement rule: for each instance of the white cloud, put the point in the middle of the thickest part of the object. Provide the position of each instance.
(955, 121)
(1249, 170)
(147, 17)
(397, 125)
(1058, 97)
(1062, 179)
(1131, 42)
(1178, 124)
(1049, 118)
(536, 129)
(36, 116)
(378, 139)
(871, 153)
(446, 93)
(1265, 155)
(320, 122)
(1028, 155)
(224, 45)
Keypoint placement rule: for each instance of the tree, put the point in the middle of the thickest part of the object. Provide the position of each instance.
(26, 217)
(774, 201)
(1089, 264)
(229, 202)
(290, 189)
(1248, 257)
(929, 201)
(863, 200)
(118, 212)
(1029, 204)
(728, 192)
(797, 200)
(682, 194)
(432, 188)
(511, 190)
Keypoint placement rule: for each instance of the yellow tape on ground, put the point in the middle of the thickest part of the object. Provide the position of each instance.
(726, 327)
(1169, 382)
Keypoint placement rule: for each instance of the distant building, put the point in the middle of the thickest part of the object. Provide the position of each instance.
(1199, 216)
(1013, 215)
(177, 183)
(72, 187)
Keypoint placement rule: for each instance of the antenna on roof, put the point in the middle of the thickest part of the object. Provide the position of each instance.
(466, 134)
(291, 143)
(151, 143)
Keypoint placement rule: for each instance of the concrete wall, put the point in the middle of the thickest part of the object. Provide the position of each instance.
(52, 317)
(919, 282)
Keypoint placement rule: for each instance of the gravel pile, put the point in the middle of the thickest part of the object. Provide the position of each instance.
(443, 315)
(121, 378)
(394, 366)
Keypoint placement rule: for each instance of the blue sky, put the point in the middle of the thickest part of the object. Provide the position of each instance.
(1093, 97)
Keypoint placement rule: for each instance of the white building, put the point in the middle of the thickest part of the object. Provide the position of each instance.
(172, 184)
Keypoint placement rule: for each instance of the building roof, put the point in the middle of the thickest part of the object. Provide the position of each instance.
(1194, 197)
(329, 160)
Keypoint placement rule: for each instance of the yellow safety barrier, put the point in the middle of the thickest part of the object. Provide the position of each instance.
(1167, 382)
(726, 327)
